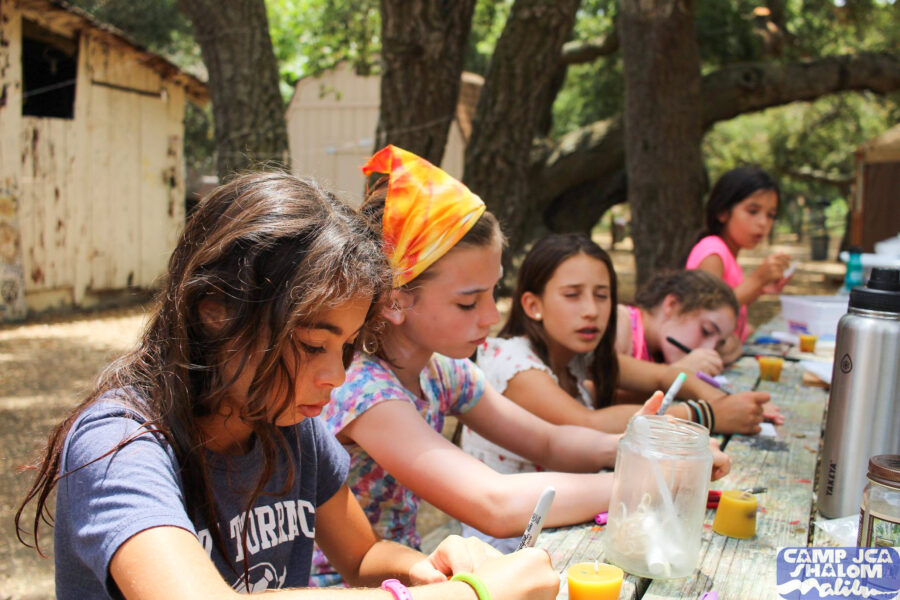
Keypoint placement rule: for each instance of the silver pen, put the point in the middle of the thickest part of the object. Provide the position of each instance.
(536, 522)
(670, 395)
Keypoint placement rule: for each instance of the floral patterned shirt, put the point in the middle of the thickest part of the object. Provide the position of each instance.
(502, 359)
(449, 387)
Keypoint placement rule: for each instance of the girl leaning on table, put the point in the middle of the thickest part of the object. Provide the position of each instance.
(445, 250)
(195, 468)
(693, 309)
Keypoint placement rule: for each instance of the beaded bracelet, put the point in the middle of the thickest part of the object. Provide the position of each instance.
(397, 589)
(475, 581)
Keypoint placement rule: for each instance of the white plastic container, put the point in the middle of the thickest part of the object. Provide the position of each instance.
(818, 315)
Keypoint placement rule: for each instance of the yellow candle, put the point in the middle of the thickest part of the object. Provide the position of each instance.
(807, 342)
(736, 515)
(770, 367)
(594, 581)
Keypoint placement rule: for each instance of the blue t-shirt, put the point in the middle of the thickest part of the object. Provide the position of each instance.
(139, 486)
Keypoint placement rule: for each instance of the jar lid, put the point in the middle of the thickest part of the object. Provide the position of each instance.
(885, 468)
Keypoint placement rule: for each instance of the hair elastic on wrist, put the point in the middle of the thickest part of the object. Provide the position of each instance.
(710, 415)
(697, 412)
(397, 589)
(475, 582)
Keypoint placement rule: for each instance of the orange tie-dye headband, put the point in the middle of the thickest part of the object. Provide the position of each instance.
(426, 211)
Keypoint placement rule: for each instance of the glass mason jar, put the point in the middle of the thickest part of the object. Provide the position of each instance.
(879, 512)
(658, 502)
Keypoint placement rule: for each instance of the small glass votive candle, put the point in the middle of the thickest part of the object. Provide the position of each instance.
(594, 581)
(736, 514)
(770, 367)
(808, 342)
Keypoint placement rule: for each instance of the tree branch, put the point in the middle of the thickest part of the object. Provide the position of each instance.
(744, 88)
(842, 182)
(583, 51)
(596, 151)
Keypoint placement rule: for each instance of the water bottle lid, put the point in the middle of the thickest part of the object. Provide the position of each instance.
(881, 292)
(885, 468)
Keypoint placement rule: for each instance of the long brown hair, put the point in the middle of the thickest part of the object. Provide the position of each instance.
(274, 250)
(537, 268)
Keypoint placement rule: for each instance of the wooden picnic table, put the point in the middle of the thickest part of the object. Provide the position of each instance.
(786, 464)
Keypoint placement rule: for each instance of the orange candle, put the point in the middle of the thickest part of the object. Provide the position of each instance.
(770, 367)
(594, 581)
(807, 342)
(736, 515)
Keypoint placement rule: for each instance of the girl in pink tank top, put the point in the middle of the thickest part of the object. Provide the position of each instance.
(739, 215)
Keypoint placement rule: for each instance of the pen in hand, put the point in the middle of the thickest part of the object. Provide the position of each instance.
(678, 344)
(670, 394)
(536, 522)
(712, 381)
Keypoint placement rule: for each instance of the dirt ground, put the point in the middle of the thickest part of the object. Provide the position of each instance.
(47, 365)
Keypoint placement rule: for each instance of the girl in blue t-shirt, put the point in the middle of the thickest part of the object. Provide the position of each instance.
(195, 468)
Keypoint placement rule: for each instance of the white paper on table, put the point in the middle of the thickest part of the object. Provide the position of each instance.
(766, 430)
(820, 369)
(788, 338)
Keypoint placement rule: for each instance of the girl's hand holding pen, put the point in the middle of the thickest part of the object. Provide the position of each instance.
(705, 360)
(740, 413)
(455, 554)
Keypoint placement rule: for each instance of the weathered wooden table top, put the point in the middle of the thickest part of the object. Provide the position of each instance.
(786, 464)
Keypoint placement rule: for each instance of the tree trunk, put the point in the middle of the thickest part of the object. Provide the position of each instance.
(243, 80)
(423, 45)
(663, 130)
(518, 83)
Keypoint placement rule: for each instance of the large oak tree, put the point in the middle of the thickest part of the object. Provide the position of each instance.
(243, 82)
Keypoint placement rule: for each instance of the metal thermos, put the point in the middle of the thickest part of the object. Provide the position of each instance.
(864, 404)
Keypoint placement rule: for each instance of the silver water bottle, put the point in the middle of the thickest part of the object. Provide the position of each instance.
(864, 404)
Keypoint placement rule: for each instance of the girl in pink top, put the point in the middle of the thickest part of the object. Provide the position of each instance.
(696, 309)
(740, 213)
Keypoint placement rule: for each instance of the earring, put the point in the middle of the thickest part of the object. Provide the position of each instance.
(537, 317)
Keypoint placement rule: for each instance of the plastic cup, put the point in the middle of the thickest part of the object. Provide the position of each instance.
(594, 581)
(770, 367)
(808, 342)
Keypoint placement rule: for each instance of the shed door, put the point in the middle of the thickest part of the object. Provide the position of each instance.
(881, 203)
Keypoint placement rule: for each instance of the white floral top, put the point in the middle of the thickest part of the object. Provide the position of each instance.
(501, 359)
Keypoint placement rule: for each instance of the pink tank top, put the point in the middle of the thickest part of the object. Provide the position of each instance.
(638, 342)
(732, 274)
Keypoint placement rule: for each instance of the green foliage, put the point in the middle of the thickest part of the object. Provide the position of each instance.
(157, 25)
(487, 25)
(726, 32)
(592, 91)
(311, 36)
(808, 147)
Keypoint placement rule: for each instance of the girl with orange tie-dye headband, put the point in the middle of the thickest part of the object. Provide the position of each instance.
(445, 250)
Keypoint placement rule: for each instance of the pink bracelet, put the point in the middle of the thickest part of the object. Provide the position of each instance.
(397, 589)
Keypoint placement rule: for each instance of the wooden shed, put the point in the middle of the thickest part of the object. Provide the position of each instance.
(331, 123)
(875, 210)
(91, 158)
